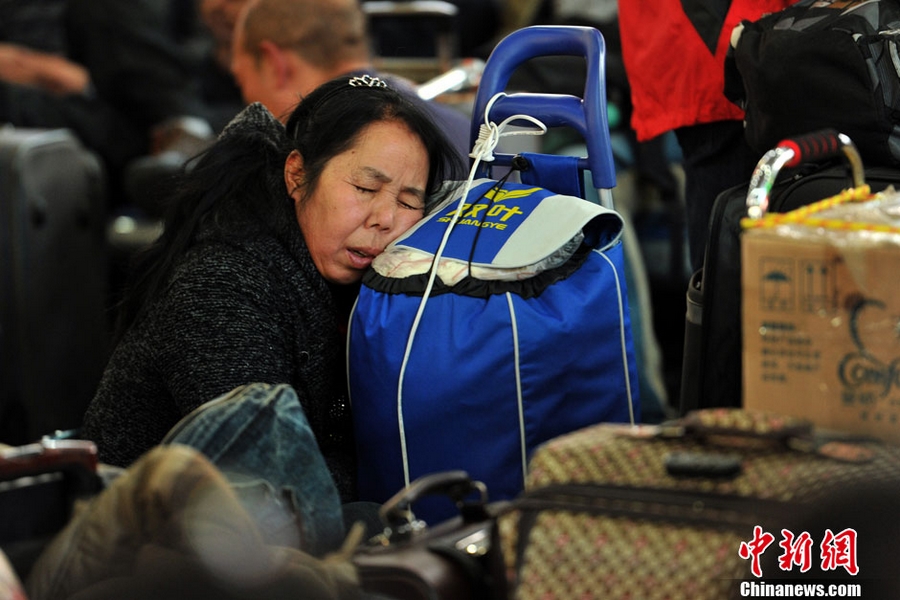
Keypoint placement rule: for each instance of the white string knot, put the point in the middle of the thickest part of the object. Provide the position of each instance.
(489, 133)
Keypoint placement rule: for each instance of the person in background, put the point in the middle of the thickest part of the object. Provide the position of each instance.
(263, 249)
(219, 17)
(105, 69)
(283, 49)
(674, 54)
(215, 20)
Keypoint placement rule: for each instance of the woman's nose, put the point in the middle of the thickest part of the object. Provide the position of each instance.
(381, 215)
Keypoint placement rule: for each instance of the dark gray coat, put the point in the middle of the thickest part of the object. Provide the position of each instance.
(237, 309)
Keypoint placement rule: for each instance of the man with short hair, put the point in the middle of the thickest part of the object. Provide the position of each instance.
(283, 49)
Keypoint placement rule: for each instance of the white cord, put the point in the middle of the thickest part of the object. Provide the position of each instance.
(489, 135)
(520, 400)
(622, 338)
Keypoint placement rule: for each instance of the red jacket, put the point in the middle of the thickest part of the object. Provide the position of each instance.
(676, 68)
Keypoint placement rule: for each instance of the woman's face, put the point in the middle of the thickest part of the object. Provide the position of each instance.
(364, 199)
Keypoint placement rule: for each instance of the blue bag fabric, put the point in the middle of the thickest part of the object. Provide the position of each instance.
(531, 338)
(260, 439)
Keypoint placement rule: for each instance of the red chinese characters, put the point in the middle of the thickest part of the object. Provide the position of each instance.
(837, 550)
(754, 549)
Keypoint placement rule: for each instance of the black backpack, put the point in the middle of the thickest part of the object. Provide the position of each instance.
(821, 63)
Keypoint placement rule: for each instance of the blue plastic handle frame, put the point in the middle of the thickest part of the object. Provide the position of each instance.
(587, 115)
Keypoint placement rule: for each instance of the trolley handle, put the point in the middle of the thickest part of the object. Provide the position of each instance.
(397, 514)
(75, 461)
(812, 147)
(586, 114)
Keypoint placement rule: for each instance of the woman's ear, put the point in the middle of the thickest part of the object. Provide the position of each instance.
(293, 174)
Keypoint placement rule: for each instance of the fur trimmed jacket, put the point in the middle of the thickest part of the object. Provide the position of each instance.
(172, 527)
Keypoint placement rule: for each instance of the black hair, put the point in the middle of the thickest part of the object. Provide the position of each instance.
(330, 118)
(235, 188)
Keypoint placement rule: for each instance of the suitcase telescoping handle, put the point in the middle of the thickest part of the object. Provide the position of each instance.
(796, 433)
(78, 457)
(68, 466)
(791, 152)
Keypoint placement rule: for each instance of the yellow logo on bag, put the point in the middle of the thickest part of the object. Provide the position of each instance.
(502, 195)
(470, 214)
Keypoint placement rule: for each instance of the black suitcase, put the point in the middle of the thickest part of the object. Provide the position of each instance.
(53, 281)
(711, 367)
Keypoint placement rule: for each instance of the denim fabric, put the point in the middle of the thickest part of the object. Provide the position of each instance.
(259, 437)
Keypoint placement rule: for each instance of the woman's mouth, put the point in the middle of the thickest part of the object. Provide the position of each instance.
(361, 258)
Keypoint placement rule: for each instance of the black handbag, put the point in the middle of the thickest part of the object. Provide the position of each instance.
(820, 64)
(457, 558)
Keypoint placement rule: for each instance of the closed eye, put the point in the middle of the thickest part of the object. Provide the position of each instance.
(409, 206)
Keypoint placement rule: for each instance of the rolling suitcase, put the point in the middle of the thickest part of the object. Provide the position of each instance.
(39, 486)
(723, 503)
(53, 281)
(527, 330)
(798, 172)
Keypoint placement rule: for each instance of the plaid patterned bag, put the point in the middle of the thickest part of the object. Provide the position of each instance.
(706, 507)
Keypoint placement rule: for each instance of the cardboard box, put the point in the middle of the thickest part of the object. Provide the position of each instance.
(821, 316)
